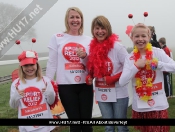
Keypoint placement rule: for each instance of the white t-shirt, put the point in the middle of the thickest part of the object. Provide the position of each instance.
(159, 100)
(35, 104)
(115, 62)
(63, 60)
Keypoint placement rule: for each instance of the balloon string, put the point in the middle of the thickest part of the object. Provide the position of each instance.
(20, 47)
(32, 46)
(133, 21)
(144, 20)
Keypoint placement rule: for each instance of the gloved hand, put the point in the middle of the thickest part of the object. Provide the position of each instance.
(112, 79)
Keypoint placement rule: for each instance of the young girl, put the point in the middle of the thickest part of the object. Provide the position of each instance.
(32, 93)
(145, 66)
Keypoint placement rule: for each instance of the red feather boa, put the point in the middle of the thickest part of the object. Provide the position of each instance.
(98, 55)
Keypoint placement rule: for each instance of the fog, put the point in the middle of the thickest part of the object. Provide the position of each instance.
(161, 15)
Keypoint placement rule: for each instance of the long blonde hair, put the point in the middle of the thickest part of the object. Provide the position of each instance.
(22, 74)
(80, 31)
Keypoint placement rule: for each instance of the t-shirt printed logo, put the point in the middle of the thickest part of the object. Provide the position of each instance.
(77, 78)
(104, 97)
(33, 97)
(60, 35)
(132, 58)
(69, 51)
(144, 74)
(151, 102)
(109, 66)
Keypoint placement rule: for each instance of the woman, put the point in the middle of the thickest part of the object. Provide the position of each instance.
(145, 66)
(65, 51)
(105, 64)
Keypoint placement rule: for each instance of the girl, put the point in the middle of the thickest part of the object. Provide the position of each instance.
(145, 66)
(105, 64)
(31, 93)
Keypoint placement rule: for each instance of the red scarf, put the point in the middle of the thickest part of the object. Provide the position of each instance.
(98, 55)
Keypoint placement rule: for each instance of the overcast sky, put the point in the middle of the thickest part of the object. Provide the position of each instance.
(161, 14)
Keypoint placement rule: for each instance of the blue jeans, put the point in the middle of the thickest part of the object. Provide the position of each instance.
(115, 110)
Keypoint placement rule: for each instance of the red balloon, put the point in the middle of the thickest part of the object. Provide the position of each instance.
(33, 40)
(130, 15)
(129, 29)
(145, 14)
(15, 74)
(17, 42)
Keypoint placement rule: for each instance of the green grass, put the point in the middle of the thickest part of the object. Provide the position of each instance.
(173, 83)
(5, 110)
(7, 69)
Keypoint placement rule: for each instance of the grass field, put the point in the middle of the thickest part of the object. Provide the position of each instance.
(7, 112)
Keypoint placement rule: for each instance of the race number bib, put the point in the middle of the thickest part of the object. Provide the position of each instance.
(105, 93)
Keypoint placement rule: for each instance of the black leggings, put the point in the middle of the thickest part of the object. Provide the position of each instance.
(167, 84)
(77, 100)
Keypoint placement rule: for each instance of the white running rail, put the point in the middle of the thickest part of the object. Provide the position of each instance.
(16, 61)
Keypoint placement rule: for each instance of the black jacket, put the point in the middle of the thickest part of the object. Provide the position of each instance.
(155, 44)
(154, 41)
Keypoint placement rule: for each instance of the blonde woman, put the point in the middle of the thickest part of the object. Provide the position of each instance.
(67, 58)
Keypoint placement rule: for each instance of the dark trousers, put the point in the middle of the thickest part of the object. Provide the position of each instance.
(167, 84)
(77, 100)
